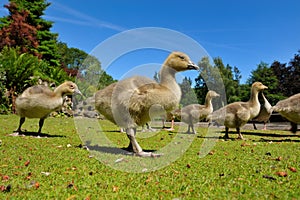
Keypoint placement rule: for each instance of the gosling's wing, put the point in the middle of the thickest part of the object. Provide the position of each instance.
(289, 108)
(37, 90)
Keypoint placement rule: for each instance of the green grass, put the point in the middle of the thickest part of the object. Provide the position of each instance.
(233, 170)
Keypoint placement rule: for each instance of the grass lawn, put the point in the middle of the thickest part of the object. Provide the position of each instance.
(55, 166)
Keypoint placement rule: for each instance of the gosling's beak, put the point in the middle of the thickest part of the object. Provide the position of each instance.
(191, 65)
(265, 87)
(78, 92)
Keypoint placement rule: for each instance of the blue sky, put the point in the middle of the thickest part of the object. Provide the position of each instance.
(242, 33)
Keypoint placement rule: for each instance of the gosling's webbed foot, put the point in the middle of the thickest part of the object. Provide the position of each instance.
(240, 137)
(148, 154)
(168, 129)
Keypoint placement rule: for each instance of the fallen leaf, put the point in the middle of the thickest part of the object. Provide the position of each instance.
(46, 173)
(293, 169)
(27, 163)
(4, 188)
(279, 158)
(148, 179)
(115, 188)
(211, 153)
(37, 185)
(244, 144)
(119, 160)
(5, 178)
(144, 170)
(282, 174)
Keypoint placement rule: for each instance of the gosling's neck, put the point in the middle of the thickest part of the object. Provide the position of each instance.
(254, 97)
(59, 91)
(168, 80)
(254, 104)
(208, 103)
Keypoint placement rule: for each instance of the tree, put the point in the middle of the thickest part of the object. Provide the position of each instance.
(19, 32)
(209, 79)
(230, 80)
(71, 58)
(281, 73)
(91, 77)
(47, 41)
(288, 76)
(188, 95)
(263, 73)
(294, 71)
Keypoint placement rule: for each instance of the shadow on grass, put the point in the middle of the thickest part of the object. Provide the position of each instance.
(113, 150)
(270, 134)
(35, 134)
(264, 136)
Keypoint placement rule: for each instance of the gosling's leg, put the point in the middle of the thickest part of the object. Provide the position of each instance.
(265, 126)
(193, 130)
(22, 120)
(294, 127)
(133, 142)
(135, 146)
(41, 123)
(226, 133)
(254, 126)
(240, 137)
(188, 131)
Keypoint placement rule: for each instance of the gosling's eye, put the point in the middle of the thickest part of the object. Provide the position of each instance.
(72, 86)
(181, 57)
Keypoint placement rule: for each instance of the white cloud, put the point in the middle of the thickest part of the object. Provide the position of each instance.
(80, 18)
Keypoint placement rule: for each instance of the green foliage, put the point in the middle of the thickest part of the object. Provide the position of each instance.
(19, 68)
(4, 102)
(71, 58)
(55, 167)
(206, 80)
(23, 70)
(223, 80)
(87, 68)
(263, 73)
(47, 41)
(91, 76)
(188, 95)
(288, 75)
(229, 79)
(51, 74)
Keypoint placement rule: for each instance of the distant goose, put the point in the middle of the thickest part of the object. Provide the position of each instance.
(290, 109)
(39, 101)
(194, 113)
(264, 113)
(237, 114)
(130, 102)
